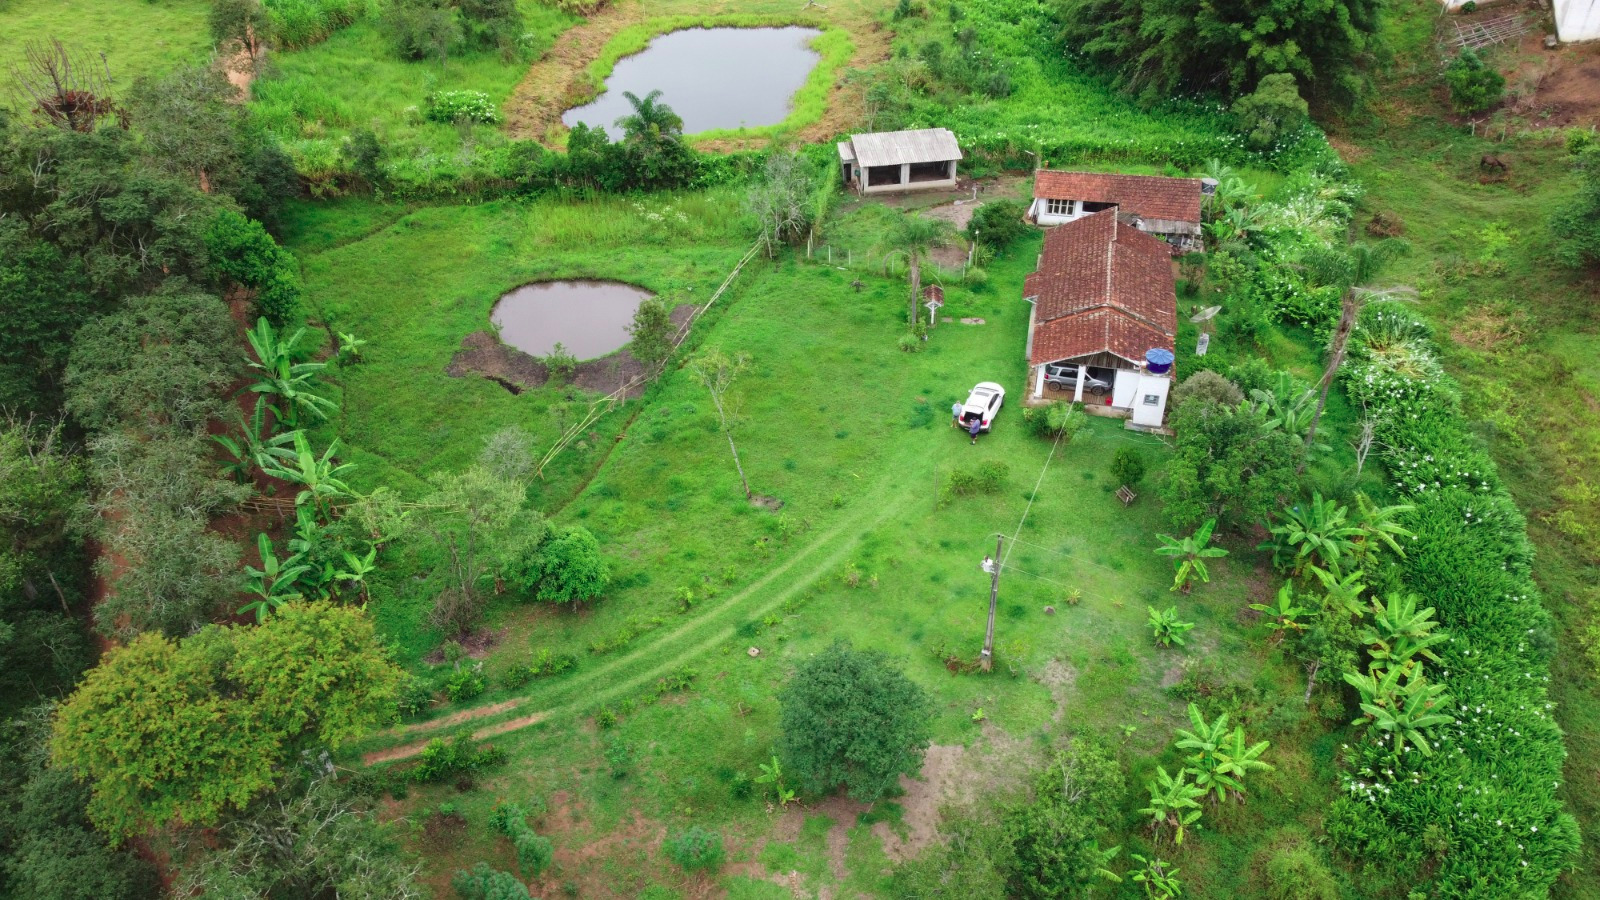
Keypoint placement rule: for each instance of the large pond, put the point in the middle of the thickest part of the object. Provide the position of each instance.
(711, 77)
(588, 318)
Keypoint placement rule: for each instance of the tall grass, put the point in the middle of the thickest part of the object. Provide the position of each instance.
(137, 38)
(301, 23)
(833, 45)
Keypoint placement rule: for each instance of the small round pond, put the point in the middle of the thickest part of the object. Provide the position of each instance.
(588, 318)
(711, 77)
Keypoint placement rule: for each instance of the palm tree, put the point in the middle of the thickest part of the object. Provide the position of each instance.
(273, 583)
(278, 374)
(1189, 556)
(1362, 263)
(1400, 633)
(1313, 533)
(913, 237)
(1285, 617)
(321, 479)
(1174, 803)
(651, 124)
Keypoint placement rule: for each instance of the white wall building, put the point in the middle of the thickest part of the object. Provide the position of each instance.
(893, 161)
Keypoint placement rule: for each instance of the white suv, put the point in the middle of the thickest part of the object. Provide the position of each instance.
(982, 404)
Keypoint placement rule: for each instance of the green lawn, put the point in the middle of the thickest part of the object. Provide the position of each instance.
(138, 37)
(851, 434)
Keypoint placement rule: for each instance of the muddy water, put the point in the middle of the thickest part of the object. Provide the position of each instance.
(589, 318)
(711, 77)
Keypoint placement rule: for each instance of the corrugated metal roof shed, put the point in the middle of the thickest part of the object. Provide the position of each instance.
(893, 148)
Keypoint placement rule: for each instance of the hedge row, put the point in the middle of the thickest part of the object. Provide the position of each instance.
(1480, 817)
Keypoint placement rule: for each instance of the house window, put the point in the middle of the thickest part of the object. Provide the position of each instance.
(1152, 399)
(1059, 207)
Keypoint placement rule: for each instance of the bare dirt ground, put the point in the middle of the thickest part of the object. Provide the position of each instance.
(483, 354)
(558, 81)
(406, 751)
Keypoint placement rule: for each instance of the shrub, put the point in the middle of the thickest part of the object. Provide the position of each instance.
(1274, 110)
(1474, 86)
(416, 695)
(241, 250)
(483, 883)
(998, 223)
(543, 665)
(560, 364)
(1055, 420)
(568, 568)
(460, 106)
(696, 850)
(1207, 387)
(465, 683)
(988, 479)
(1127, 466)
(460, 756)
(1296, 873)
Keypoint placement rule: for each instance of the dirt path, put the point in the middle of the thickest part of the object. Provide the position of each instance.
(406, 751)
(671, 649)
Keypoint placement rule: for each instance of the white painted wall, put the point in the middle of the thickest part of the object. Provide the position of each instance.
(1150, 386)
(1124, 388)
(1039, 205)
(1577, 20)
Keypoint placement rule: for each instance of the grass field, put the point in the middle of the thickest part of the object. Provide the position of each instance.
(137, 38)
(850, 433)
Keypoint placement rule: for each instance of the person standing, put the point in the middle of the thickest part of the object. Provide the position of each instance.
(975, 427)
(955, 414)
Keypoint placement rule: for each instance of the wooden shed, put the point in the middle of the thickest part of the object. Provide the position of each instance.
(888, 161)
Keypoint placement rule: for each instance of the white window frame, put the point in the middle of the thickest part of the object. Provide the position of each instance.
(1054, 207)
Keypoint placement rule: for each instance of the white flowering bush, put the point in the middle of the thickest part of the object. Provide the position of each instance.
(458, 106)
(1481, 807)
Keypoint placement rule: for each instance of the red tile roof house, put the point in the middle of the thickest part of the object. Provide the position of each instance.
(1103, 297)
(1168, 208)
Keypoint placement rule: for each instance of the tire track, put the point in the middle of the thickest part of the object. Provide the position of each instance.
(699, 635)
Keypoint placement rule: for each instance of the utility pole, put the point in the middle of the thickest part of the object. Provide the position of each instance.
(986, 659)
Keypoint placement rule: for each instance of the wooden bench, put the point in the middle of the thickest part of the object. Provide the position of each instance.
(1126, 495)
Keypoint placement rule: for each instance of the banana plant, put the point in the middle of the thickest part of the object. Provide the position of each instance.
(350, 348)
(253, 446)
(1238, 760)
(1406, 712)
(1174, 804)
(1166, 627)
(1160, 882)
(1400, 632)
(1206, 740)
(773, 775)
(357, 568)
(1343, 591)
(1288, 407)
(1189, 556)
(308, 539)
(321, 479)
(1285, 616)
(1378, 526)
(279, 375)
(1316, 533)
(273, 583)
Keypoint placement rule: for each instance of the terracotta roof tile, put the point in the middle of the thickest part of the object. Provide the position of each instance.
(1150, 196)
(1102, 287)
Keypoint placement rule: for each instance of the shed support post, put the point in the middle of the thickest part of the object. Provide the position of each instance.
(1083, 375)
(1038, 380)
(905, 173)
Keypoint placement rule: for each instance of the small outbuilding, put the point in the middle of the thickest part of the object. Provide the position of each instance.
(1104, 317)
(888, 161)
(1168, 208)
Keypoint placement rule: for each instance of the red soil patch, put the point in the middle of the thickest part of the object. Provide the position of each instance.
(405, 751)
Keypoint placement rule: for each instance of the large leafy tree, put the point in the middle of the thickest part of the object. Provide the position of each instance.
(852, 720)
(163, 360)
(1056, 836)
(478, 521)
(180, 732)
(1576, 224)
(1228, 465)
(1164, 47)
